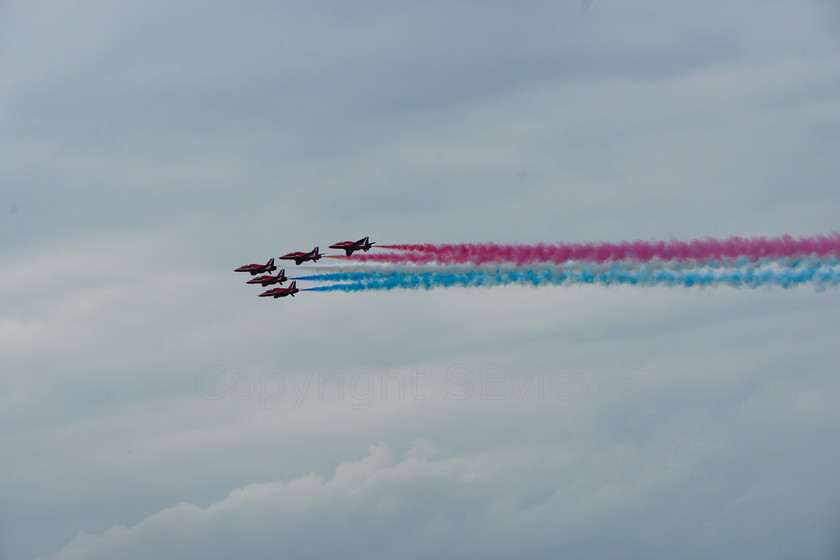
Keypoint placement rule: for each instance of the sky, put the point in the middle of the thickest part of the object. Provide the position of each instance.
(152, 406)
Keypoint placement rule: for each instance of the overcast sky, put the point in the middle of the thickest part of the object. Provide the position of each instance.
(152, 406)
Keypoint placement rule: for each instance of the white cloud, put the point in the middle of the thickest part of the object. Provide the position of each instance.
(621, 498)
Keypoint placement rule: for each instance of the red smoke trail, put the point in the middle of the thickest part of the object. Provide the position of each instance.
(699, 249)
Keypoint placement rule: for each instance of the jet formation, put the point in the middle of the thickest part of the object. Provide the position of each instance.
(300, 257)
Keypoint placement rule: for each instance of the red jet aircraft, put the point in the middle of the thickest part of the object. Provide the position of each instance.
(300, 256)
(364, 244)
(279, 278)
(257, 268)
(291, 290)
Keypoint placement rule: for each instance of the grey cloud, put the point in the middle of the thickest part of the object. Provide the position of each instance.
(529, 501)
(150, 149)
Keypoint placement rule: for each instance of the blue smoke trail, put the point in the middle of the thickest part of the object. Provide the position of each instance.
(748, 277)
(367, 271)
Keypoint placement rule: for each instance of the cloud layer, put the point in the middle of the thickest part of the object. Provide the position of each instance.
(150, 149)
